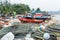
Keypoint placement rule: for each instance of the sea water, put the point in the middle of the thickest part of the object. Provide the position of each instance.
(57, 17)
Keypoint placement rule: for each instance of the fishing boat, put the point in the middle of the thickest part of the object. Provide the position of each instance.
(36, 18)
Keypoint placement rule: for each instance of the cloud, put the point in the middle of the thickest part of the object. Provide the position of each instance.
(48, 5)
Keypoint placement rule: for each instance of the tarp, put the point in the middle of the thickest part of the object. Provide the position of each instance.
(14, 14)
(8, 36)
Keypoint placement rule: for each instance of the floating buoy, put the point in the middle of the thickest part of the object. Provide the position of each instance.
(42, 27)
(46, 36)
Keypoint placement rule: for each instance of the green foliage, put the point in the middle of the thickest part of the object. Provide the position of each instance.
(7, 8)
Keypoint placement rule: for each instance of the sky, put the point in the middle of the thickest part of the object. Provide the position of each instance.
(44, 5)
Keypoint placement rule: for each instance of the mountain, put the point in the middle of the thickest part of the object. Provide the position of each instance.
(54, 12)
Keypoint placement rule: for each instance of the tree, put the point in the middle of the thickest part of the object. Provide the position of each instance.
(21, 8)
(7, 8)
(44, 12)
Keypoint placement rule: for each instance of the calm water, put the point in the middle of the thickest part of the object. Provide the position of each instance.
(57, 17)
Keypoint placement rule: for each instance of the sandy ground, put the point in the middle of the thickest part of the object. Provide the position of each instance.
(58, 38)
(52, 21)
